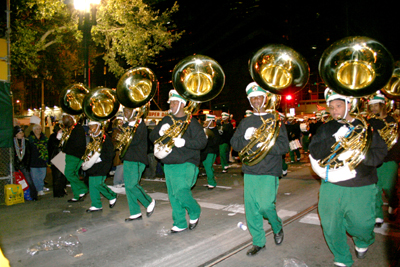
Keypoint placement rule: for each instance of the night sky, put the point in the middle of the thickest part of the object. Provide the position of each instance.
(231, 31)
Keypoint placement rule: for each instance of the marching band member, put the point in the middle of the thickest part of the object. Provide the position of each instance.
(248, 113)
(209, 154)
(387, 172)
(226, 132)
(181, 165)
(294, 132)
(97, 168)
(261, 181)
(74, 150)
(346, 198)
(134, 163)
(305, 132)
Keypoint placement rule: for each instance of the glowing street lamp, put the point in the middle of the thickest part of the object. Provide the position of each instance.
(85, 25)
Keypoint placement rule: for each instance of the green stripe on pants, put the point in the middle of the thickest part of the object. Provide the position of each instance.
(180, 178)
(72, 166)
(260, 202)
(347, 209)
(208, 167)
(134, 192)
(97, 186)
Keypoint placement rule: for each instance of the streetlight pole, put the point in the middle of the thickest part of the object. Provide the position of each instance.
(85, 25)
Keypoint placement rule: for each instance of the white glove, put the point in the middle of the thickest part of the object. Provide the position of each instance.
(59, 135)
(249, 133)
(220, 131)
(163, 129)
(259, 145)
(93, 159)
(345, 155)
(341, 132)
(132, 123)
(179, 142)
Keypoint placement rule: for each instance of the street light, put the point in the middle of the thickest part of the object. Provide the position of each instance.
(85, 25)
(19, 106)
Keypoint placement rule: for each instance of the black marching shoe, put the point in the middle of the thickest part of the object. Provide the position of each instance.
(73, 200)
(113, 202)
(193, 225)
(150, 208)
(279, 237)
(254, 250)
(93, 209)
(175, 230)
(129, 219)
(361, 255)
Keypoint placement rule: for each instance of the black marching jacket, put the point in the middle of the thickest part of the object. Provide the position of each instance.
(212, 144)
(76, 144)
(107, 156)
(272, 163)
(394, 152)
(195, 140)
(320, 148)
(137, 150)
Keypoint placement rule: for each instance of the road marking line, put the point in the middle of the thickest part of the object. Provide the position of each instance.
(220, 186)
(286, 213)
(155, 180)
(311, 218)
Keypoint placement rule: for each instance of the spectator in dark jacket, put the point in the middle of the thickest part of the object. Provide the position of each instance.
(22, 157)
(39, 158)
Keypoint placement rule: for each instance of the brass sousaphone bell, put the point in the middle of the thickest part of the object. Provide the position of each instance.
(135, 89)
(99, 105)
(279, 70)
(71, 102)
(354, 67)
(198, 79)
(71, 99)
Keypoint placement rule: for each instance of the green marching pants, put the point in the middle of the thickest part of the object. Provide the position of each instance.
(305, 141)
(387, 178)
(208, 167)
(260, 202)
(347, 209)
(72, 166)
(134, 192)
(223, 150)
(180, 178)
(97, 186)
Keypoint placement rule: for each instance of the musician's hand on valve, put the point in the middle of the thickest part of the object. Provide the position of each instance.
(132, 123)
(249, 133)
(163, 129)
(341, 132)
(179, 142)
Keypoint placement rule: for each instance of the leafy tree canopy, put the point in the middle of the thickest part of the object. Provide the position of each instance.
(129, 32)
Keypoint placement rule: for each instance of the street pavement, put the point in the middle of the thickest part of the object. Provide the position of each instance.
(105, 239)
